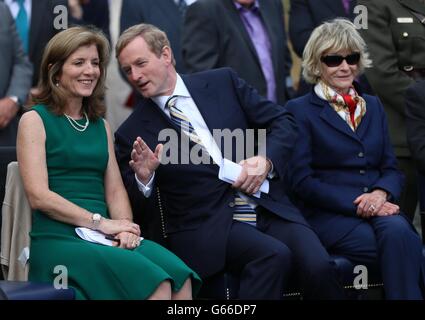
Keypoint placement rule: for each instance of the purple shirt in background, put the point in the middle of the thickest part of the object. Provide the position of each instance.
(257, 32)
(346, 4)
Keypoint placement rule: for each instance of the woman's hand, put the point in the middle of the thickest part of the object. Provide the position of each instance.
(128, 240)
(110, 226)
(369, 204)
(388, 209)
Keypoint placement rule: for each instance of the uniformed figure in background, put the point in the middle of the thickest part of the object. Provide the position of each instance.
(396, 40)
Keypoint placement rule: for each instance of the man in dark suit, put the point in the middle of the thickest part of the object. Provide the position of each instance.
(40, 28)
(305, 16)
(205, 219)
(15, 77)
(396, 40)
(164, 14)
(246, 35)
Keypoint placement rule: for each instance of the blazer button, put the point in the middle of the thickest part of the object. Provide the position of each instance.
(361, 154)
(231, 204)
(362, 171)
(365, 189)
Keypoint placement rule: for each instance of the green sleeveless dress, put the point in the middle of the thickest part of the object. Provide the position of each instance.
(76, 164)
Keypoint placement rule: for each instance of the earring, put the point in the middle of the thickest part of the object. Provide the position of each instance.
(57, 84)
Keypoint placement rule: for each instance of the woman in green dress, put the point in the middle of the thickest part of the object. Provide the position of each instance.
(71, 178)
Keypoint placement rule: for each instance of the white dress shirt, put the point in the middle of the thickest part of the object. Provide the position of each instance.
(186, 104)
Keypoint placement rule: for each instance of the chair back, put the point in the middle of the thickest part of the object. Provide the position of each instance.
(16, 225)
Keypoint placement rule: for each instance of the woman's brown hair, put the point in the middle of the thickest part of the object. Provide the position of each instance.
(57, 51)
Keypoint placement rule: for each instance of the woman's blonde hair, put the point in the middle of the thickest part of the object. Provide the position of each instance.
(57, 51)
(335, 35)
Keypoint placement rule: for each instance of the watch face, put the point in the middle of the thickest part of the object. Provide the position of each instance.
(14, 99)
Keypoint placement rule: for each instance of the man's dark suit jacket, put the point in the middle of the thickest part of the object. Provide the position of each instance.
(163, 14)
(214, 36)
(199, 206)
(41, 31)
(306, 15)
(415, 122)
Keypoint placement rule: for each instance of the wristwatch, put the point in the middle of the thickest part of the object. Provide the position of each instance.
(15, 99)
(95, 218)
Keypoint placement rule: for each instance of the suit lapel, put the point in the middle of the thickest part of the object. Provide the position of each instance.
(364, 124)
(170, 10)
(329, 115)
(413, 5)
(152, 118)
(37, 15)
(205, 100)
(266, 13)
(234, 14)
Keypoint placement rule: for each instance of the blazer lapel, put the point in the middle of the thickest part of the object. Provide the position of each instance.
(234, 14)
(265, 14)
(206, 101)
(37, 16)
(413, 5)
(364, 124)
(329, 115)
(170, 11)
(152, 118)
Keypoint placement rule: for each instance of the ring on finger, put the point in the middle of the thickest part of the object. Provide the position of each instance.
(372, 208)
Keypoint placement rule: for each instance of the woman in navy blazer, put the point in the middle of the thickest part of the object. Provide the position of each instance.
(343, 173)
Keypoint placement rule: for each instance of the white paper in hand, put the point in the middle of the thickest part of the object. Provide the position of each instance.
(230, 171)
(94, 236)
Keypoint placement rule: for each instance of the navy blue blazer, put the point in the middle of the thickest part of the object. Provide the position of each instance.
(199, 206)
(332, 165)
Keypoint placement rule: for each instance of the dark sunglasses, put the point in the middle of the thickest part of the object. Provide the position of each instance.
(335, 60)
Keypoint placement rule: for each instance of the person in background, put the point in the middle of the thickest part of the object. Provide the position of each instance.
(71, 178)
(395, 37)
(246, 35)
(305, 15)
(343, 171)
(15, 77)
(415, 129)
(91, 12)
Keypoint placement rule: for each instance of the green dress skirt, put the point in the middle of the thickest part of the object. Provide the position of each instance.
(76, 164)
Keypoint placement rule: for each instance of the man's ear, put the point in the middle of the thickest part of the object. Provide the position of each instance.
(167, 54)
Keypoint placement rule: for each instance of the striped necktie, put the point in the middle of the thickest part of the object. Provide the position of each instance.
(242, 210)
(178, 118)
(22, 24)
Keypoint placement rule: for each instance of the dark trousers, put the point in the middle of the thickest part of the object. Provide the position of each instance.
(409, 195)
(316, 274)
(392, 243)
(263, 263)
